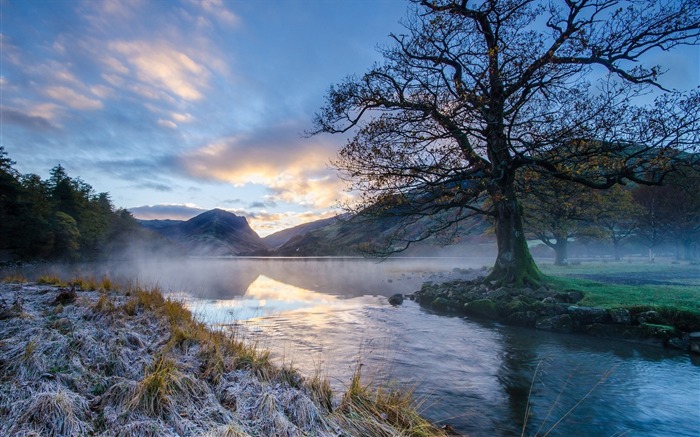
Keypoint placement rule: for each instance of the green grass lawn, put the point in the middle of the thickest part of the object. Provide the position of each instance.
(612, 285)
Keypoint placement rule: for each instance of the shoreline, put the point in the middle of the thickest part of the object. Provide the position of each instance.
(90, 360)
(553, 310)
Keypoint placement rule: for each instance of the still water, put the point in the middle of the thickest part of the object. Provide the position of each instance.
(332, 315)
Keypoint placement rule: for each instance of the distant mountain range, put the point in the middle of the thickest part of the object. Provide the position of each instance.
(221, 233)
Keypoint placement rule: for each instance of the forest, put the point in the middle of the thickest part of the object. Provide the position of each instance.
(60, 218)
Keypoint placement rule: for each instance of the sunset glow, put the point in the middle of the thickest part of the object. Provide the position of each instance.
(175, 108)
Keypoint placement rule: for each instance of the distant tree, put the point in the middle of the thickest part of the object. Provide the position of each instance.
(651, 224)
(10, 208)
(35, 238)
(617, 213)
(67, 236)
(475, 91)
(555, 211)
(672, 213)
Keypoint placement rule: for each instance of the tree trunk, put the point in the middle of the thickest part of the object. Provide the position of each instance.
(616, 250)
(561, 252)
(514, 264)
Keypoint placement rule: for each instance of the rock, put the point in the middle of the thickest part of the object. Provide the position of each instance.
(8, 312)
(681, 343)
(662, 333)
(442, 304)
(65, 297)
(396, 299)
(544, 309)
(549, 299)
(522, 318)
(500, 293)
(481, 308)
(569, 297)
(620, 316)
(558, 323)
(651, 317)
(694, 341)
(582, 316)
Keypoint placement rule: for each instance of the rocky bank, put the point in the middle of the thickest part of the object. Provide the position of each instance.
(558, 311)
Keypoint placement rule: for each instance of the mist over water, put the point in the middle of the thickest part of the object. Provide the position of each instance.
(332, 314)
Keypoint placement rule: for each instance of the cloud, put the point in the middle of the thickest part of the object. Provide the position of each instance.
(159, 65)
(181, 118)
(156, 186)
(72, 98)
(160, 212)
(294, 169)
(27, 121)
(167, 123)
(218, 10)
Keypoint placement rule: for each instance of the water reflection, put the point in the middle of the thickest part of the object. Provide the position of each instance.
(475, 376)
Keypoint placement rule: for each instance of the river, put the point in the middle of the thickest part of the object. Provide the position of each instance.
(330, 315)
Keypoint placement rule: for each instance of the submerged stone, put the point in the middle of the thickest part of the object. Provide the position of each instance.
(694, 341)
(558, 323)
(522, 318)
(396, 299)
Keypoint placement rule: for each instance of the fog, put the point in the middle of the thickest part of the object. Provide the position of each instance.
(227, 278)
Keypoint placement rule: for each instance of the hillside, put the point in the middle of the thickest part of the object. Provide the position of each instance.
(212, 233)
(274, 241)
(352, 236)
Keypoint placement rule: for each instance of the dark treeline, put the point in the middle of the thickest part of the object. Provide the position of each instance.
(633, 217)
(61, 218)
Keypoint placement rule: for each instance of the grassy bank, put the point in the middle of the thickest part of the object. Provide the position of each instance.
(91, 360)
(615, 285)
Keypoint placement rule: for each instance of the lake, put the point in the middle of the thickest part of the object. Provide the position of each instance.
(332, 314)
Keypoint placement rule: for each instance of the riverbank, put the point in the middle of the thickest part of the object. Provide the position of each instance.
(86, 359)
(634, 312)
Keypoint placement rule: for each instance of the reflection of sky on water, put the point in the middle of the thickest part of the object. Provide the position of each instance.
(264, 297)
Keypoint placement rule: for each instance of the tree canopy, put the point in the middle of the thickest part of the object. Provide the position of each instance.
(59, 218)
(475, 91)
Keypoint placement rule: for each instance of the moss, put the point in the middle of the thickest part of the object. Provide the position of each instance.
(481, 308)
(443, 304)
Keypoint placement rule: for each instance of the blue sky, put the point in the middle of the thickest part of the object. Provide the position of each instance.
(175, 107)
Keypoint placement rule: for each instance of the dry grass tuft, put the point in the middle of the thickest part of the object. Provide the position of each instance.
(161, 384)
(104, 304)
(51, 279)
(382, 411)
(15, 278)
(55, 412)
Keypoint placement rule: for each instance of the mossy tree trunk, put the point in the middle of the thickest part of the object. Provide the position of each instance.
(514, 265)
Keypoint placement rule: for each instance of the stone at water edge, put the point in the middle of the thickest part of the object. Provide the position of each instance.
(694, 339)
(620, 316)
(396, 299)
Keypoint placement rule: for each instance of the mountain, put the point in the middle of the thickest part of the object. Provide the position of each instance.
(351, 236)
(274, 241)
(212, 233)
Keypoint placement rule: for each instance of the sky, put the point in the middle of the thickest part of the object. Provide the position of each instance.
(178, 107)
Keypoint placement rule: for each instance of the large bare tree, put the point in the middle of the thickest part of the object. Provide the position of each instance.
(473, 91)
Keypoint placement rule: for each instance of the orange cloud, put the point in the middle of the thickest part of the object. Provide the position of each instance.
(162, 66)
(294, 172)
